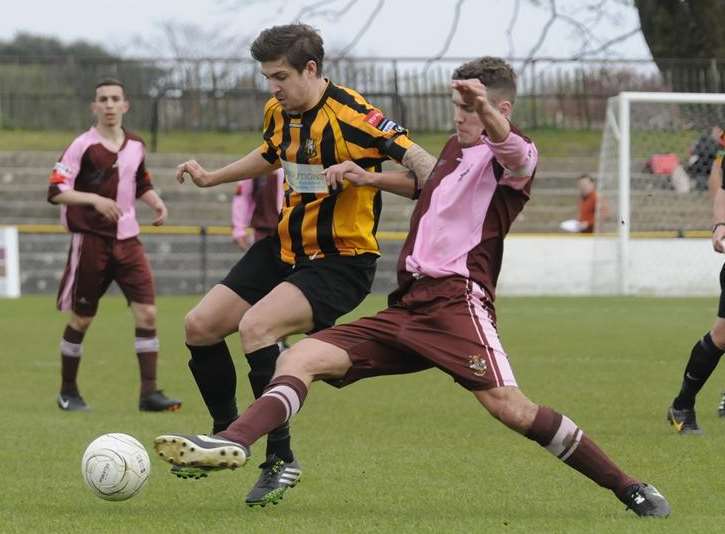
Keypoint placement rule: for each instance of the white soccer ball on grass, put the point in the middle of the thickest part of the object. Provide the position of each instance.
(115, 466)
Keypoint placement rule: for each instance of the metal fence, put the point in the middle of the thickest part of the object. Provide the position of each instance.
(227, 94)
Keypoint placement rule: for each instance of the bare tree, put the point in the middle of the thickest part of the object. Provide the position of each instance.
(365, 27)
(188, 41)
(510, 29)
(451, 32)
(582, 22)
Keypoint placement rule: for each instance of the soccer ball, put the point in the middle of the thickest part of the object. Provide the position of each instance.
(115, 466)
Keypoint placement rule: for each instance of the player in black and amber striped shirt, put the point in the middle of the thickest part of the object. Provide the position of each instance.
(321, 263)
(341, 126)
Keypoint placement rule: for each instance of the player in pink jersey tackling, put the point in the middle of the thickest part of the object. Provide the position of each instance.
(442, 313)
(97, 181)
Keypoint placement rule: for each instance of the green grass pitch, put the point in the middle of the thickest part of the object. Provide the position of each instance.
(395, 454)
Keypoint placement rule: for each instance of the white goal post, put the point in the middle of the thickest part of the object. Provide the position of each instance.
(643, 203)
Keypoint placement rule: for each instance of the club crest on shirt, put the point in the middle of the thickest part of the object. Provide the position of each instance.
(477, 364)
(310, 149)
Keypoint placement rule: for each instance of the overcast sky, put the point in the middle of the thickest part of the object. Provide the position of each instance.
(401, 28)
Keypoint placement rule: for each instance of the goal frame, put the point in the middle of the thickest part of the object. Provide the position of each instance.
(621, 129)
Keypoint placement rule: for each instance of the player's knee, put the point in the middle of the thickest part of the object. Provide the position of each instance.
(518, 416)
(314, 360)
(254, 329)
(290, 362)
(146, 316)
(80, 323)
(509, 406)
(197, 328)
(718, 334)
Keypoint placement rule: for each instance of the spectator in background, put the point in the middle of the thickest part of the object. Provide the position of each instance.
(255, 208)
(702, 156)
(584, 223)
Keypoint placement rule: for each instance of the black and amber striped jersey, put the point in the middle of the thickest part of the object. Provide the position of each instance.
(316, 221)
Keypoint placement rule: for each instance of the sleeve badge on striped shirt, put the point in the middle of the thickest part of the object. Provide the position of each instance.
(377, 119)
(374, 117)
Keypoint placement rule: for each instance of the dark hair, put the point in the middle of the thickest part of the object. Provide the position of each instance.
(494, 73)
(297, 43)
(585, 176)
(110, 81)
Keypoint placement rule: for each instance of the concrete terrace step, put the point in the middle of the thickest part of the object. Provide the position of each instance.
(176, 261)
(46, 160)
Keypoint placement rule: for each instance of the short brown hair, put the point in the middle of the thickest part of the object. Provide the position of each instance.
(297, 43)
(110, 81)
(494, 73)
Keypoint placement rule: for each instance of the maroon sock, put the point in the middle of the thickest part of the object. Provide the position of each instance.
(561, 437)
(281, 400)
(70, 359)
(147, 350)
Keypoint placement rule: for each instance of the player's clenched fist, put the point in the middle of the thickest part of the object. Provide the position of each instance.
(197, 173)
(472, 91)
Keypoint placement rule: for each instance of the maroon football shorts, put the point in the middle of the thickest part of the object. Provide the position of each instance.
(448, 323)
(94, 262)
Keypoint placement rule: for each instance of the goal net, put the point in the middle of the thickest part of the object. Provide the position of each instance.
(654, 208)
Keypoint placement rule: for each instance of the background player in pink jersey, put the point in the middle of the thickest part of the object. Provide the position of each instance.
(442, 314)
(255, 208)
(97, 181)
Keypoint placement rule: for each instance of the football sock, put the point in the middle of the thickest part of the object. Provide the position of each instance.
(147, 351)
(704, 358)
(564, 439)
(279, 442)
(262, 362)
(70, 358)
(216, 377)
(282, 399)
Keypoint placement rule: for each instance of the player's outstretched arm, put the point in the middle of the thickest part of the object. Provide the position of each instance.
(253, 164)
(401, 183)
(420, 165)
(404, 183)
